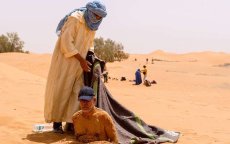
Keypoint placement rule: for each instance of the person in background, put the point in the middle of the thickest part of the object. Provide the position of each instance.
(152, 61)
(91, 123)
(138, 79)
(147, 60)
(144, 71)
(105, 73)
(76, 34)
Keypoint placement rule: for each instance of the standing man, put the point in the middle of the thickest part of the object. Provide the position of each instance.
(65, 78)
(147, 60)
(144, 71)
(105, 73)
(93, 124)
(138, 79)
(152, 61)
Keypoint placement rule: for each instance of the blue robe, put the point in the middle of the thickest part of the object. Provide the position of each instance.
(138, 79)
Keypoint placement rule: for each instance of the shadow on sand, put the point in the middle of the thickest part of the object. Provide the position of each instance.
(50, 137)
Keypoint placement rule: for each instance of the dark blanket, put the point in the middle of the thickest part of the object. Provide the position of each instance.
(130, 128)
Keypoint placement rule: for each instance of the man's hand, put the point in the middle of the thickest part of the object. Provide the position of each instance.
(85, 65)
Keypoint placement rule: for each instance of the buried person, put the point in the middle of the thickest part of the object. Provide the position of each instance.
(92, 123)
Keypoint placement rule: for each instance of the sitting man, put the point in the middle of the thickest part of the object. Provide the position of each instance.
(91, 123)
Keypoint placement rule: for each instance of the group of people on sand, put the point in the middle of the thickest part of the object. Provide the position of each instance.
(152, 61)
(138, 77)
(66, 97)
(146, 60)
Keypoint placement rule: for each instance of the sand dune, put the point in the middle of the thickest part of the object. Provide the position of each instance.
(192, 95)
(37, 64)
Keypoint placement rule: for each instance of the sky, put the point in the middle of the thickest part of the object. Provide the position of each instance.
(141, 26)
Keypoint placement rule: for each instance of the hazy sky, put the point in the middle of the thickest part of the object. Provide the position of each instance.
(142, 26)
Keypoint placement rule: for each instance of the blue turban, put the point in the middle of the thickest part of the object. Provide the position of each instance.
(64, 19)
(92, 8)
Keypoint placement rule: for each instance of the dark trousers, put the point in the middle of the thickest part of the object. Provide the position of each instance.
(105, 77)
(57, 125)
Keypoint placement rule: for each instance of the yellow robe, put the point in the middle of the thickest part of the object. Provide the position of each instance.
(65, 78)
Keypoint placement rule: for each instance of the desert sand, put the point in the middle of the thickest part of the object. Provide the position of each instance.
(192, 95)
